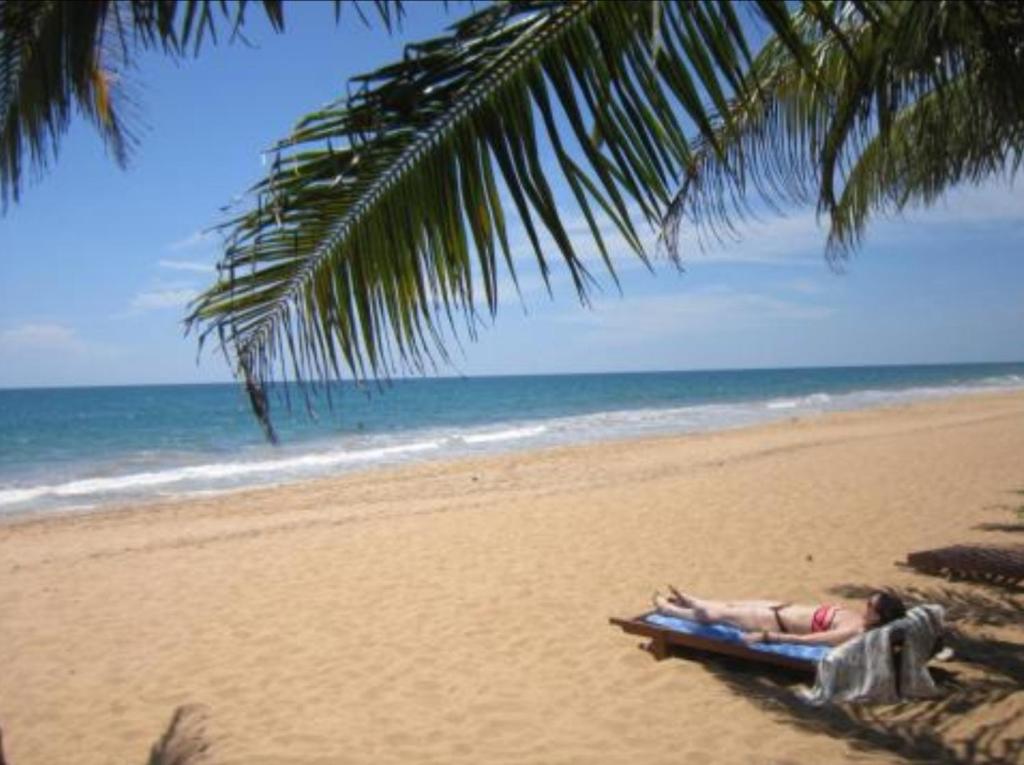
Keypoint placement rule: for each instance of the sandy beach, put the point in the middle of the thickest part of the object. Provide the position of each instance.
(458, 612)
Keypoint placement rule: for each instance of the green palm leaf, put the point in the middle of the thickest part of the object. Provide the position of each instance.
(50, 56)
(906, 101)
(383, 215)
(58, 56)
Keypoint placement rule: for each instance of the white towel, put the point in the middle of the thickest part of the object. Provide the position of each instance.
(861, 670)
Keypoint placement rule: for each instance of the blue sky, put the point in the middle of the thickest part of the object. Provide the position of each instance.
(96, 264)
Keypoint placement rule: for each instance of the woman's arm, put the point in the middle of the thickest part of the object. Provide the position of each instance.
(831, 637)
(665, 606)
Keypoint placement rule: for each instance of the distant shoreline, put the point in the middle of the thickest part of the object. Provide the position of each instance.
(369, 384)
(447, 461)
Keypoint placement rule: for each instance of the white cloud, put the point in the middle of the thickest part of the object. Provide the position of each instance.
(713, 309)
(187, 265)
(163, 298)
(793, 239)
(990, 203)
(193, 241)
(798, 239)
(37, 345)
(783, 241)
(803, 286)
(41, 337)
(774, 240)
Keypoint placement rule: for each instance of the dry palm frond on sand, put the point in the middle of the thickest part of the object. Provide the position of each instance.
(185, 742)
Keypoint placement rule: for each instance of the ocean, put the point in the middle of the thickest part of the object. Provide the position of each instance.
(65, 449)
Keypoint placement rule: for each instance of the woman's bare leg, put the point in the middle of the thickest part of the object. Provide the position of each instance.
(745, 614)
(669, 607)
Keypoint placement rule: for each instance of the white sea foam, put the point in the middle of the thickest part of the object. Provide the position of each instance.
(134, 482)
(503, 435)
(812, 399)
(13, 496)
(263, 467)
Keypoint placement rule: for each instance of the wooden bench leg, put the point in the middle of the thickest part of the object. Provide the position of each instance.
(658, 648)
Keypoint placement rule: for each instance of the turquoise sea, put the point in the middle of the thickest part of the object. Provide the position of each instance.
(82, 448)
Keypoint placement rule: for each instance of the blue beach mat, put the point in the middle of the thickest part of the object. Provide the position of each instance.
(726, 634)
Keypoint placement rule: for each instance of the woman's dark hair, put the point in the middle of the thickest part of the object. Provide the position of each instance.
(888, 606)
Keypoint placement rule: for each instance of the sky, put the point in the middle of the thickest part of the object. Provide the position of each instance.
(97, 263)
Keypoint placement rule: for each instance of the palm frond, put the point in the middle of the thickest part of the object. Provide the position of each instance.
(49, 63)
(939, 141)
(906, 101)
(57, 57)
(382, 215)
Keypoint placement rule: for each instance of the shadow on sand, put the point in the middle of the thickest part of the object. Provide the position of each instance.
(1015, 509)
(1009, 528)
(979, 603)
(918, 731)
(914, 731)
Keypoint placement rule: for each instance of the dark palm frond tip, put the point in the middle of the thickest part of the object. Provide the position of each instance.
(381, 217)
(904, 101)
(260, 403)
(185, 742)
(57, 58)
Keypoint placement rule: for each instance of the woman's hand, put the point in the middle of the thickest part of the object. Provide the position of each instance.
(749, 638)
(660, 603)
(677, 597)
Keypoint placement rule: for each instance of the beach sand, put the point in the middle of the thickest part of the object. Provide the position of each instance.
(458, 612)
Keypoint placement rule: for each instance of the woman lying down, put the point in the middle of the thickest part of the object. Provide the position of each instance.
(772, 621)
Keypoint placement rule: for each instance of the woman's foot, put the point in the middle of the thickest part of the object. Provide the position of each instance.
(662, 604)
(680, 599)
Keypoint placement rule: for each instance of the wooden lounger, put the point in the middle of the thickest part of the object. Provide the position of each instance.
(663, 639)
(998, 565)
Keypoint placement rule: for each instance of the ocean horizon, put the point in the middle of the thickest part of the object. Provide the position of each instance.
(83, 448)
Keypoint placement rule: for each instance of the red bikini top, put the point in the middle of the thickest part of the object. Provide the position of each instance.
(823, 617)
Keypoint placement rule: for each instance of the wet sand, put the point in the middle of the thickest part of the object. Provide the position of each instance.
(457, 612)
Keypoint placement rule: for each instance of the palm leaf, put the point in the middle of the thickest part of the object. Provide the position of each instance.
(903, 102)
(382, 215)
(50, 62)
(966, 144)
(58, 56)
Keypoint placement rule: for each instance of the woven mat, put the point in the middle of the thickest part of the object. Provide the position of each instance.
(1003, 564)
